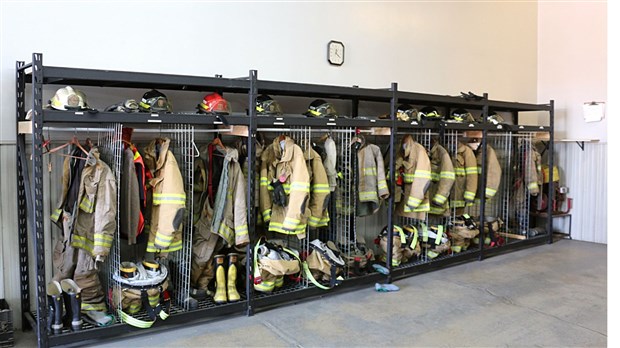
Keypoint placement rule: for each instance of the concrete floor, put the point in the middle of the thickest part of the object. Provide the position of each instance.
(551, 295)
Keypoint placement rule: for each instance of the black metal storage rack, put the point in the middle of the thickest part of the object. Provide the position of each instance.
(30, 186)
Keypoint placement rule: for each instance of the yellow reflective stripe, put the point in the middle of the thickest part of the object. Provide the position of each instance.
(277, 227)
(267, 215)
(86, 205)
(459, 171)
(413, 201)
(320, 188)
(241, 230)
(439, 234)
(414, 242)
(163, 237)
(422, 207)
(469, 195)
(143, 324)
(368, 195)
(169, 198)
(435, 210)
(264, 181)
(370, 171)
(166, 195)
(435, 176)
(82, 243)
(290, 223)
(456, 249)
(532, 185)
(56, 214)
(153, 300)
(471, 170)
(178, 245)
(300, 186)
(162, 241)
(490, 192)
(314, 221)
(134, 308)
(226, 232)
(382, 184)
(270, 188)
(424, 233)
(457, 204)
(103, 237)
(92, 307)
(441, 199)
(479, 170)
(265, 286)
(425, 174)
(447, 175)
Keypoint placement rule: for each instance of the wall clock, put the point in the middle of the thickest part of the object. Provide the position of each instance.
(335, 53)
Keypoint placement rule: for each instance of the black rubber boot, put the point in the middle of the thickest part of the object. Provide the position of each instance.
(55, 308)
(73, 303)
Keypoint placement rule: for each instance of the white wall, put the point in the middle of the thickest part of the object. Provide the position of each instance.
(572, 64)
(572, 69)
(442, 48)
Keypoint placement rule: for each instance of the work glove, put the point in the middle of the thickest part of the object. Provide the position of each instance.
(279, 195)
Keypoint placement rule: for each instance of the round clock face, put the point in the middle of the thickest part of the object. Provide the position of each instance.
(335, 52)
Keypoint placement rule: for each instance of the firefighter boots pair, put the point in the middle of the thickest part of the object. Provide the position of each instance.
(64, 305)
(226, 279)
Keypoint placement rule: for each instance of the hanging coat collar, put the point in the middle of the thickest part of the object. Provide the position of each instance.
(156, 152)
(287, 154)
(407, 149)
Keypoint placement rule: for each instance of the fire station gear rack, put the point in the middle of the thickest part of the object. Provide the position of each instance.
(30, 185)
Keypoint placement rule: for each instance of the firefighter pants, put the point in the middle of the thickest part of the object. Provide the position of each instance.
(79, 265)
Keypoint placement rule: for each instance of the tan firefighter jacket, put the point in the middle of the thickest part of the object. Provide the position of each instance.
(372, 187)
(533, 172)
(95, 220)
(494, 171)
(319, 190)
(413, 169)
(442, 179)
(283, 161)
(234, 220)
(167, 206)
(466, 180)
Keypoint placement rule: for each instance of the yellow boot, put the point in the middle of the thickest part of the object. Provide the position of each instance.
(233, 295)
(220, 280)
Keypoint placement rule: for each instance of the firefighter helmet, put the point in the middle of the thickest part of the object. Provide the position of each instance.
(459, 116)
(67, 98)
(406, 112)
(155, 101)
(321, 108)
(429, 113)
(494, 118)
(214, 104)
(265, 105)
(129, 105)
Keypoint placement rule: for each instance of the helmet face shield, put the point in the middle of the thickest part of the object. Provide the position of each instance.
(155, 101)
(429, 112)
(406, 113)
(268, 107)
(495, 119)
(321, 108)
(459, 116)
